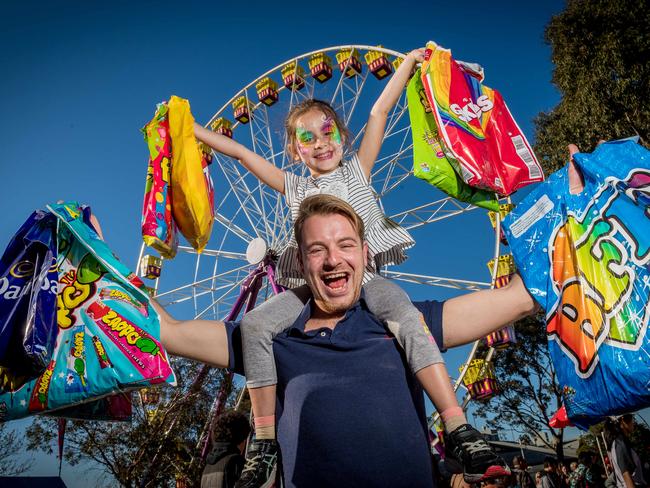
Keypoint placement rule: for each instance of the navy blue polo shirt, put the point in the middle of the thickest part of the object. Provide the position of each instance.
(349, 412)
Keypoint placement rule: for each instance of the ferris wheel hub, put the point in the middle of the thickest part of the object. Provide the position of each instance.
(256, 250)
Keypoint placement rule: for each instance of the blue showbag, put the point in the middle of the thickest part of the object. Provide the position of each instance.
(586, 259)
(28, 287)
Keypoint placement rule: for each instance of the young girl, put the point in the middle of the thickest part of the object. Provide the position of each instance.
(317, 137)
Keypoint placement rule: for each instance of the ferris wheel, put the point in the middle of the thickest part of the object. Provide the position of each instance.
(252, 221)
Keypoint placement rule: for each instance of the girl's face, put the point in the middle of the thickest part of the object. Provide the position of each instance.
(318, 142)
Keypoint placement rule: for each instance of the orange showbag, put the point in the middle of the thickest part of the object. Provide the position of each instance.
(192, 204)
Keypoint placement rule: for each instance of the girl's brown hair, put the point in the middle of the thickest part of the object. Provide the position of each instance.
(302, 108)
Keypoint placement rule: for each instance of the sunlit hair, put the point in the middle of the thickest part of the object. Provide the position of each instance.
(302, 108)
(323, 204)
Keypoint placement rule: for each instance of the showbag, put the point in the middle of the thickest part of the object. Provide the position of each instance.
(192, 209)
(429, 161)
(107, 333)
(158, 227)
(476, 128)
(28, 287)
(586, 259)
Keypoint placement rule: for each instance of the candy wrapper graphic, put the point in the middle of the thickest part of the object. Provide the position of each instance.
(92, 360)
(158, 227)
(586, 259)
(28, 287)
(478, 131)
(76, 379)
(429, 161)
(192, 209)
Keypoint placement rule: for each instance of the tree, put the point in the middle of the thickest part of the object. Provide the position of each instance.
(160, 443)
(529, 393)
(601, 53)
(10, 443)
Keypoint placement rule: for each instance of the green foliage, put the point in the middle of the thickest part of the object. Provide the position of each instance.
(152, 449)
(529, 391)
(601, 53)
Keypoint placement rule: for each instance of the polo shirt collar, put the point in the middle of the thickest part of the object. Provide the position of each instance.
(305, 314)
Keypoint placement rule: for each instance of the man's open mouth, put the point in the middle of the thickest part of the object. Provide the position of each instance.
(336, 281)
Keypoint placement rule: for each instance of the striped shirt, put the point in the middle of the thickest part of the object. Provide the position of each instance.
(386, 240)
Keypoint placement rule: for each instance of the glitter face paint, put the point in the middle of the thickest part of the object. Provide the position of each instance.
(329, 130)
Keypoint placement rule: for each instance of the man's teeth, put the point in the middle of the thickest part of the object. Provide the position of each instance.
(329, 280)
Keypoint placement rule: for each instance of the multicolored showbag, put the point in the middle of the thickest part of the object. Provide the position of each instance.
(158, 227)
(586, 259)
(429, 161)
(108, 334)
(191, 186)
(478, 131)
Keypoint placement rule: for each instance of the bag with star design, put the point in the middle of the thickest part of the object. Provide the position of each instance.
(586, 259)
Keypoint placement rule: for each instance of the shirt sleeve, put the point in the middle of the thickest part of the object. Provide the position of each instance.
(355, 167)
(291, 183)
(432, 312)
(235, 354)
(624, 457)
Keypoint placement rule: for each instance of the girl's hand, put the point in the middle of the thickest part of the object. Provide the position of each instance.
(417, 55)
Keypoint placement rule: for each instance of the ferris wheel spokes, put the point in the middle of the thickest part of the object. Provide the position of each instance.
(431, 212)
(458, 284)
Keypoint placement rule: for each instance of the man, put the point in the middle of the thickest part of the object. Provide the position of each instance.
(521, 476)
(225, 462)
(349, 411)
(550, 478)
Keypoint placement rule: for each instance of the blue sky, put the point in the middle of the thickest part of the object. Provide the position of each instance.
(80, 78)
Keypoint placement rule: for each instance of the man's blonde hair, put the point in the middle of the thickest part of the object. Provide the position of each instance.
(323, 204)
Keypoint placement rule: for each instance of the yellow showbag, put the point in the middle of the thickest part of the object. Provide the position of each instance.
(192, 205)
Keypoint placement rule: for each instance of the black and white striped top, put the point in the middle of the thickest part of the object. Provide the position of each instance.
(387, 241)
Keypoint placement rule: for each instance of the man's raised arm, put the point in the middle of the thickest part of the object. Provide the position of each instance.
(469, 317)
(201, 340)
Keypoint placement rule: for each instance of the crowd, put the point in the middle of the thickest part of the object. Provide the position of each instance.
(620, 467)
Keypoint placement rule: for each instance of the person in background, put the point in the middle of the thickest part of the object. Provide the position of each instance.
(225, 462)
(550, 479)
(520, 474)
(495, 477)
(627, 467)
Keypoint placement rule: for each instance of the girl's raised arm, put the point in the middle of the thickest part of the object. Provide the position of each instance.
(265, 171)
(374, 135)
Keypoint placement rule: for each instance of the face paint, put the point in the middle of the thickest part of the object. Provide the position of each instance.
(305, 137)
(332, 130)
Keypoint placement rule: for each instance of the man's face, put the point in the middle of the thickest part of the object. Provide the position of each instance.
(333, 259)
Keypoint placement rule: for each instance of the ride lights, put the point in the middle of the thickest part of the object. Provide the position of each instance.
(222, 126)
(504, 209)
(150, 266)
(349, 63)
(320, 66)
(242, 109)
(293, 76)
(267, 91)
(480, 380)
(378, 64)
